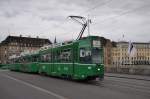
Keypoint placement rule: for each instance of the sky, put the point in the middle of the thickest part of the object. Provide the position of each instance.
(116, 20)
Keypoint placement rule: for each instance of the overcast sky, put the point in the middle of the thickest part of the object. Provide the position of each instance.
(48, 18)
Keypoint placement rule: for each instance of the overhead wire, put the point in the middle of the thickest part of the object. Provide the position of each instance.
(121, 14)
(97, 6)
(124, 13)
(88, 10)
(113, 17)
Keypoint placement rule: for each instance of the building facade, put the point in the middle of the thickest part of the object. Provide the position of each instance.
(107, 53)
(120, 56)
(17, 44)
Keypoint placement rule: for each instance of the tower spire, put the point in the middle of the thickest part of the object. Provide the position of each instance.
(55, 41)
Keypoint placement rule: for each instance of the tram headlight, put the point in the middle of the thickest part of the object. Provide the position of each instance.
(98, 69)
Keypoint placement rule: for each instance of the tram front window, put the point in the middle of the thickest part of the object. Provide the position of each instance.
(96, 56)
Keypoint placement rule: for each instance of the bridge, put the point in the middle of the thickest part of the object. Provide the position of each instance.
(16, 85)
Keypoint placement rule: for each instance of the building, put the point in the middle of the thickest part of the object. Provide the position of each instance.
(17, 44)
(120, 56)
(107, 52)
(107, 45)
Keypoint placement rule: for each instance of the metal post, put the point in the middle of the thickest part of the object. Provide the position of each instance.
(88, 24)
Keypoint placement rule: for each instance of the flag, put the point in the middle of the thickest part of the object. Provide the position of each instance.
(131, 49)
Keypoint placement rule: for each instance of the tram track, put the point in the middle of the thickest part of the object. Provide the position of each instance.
(127, 77)
(129, 85)
(122, 86)
(130, 82)
(125, 86)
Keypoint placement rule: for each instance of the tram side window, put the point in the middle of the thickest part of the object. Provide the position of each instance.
(65, 55)
(85, 55)
(29, 59)
(26, 59)
(46, 58)
(23, 60)
(35, 59)
(11, 61)
(58, 57)
(49, 57)
(82, 52)
(20, 60)
(16, 60)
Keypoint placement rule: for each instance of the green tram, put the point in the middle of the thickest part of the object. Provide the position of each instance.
(78, 60)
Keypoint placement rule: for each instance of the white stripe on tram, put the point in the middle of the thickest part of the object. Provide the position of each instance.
(67, 63)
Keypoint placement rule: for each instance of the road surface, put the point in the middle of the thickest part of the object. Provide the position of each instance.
(15, 85)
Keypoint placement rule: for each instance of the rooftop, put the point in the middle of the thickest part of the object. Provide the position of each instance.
(10, 39)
